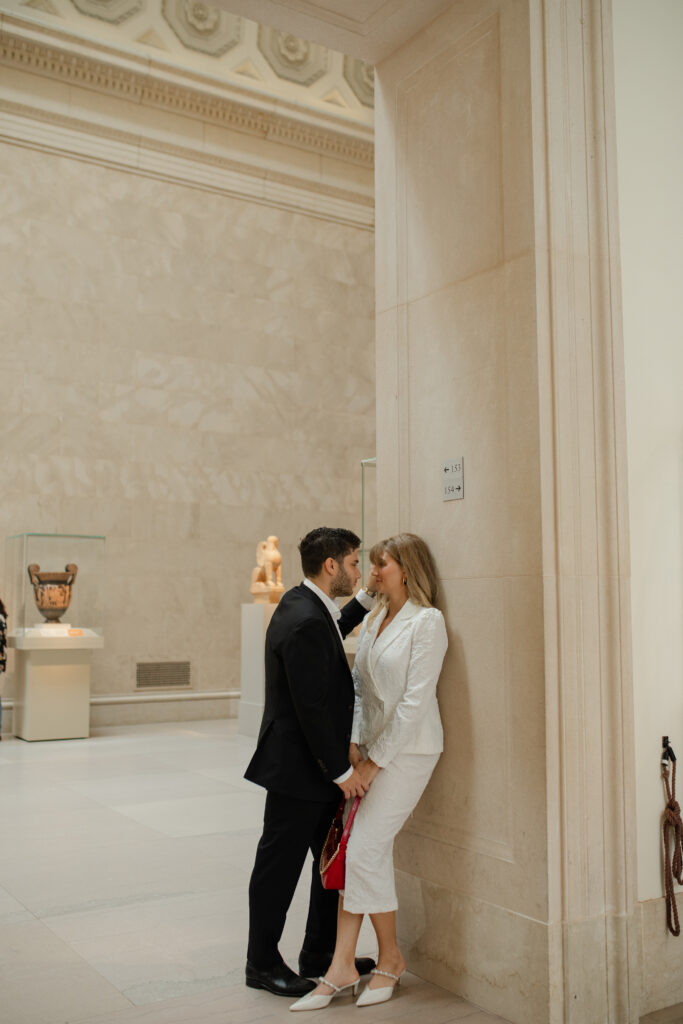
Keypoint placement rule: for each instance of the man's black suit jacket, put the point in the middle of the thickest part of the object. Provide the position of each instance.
(303, 742)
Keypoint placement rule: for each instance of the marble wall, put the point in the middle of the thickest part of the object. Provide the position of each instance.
(185, 373)
(457, 376)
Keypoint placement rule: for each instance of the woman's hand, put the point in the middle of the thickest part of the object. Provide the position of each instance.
(355, 756)
(367, 770)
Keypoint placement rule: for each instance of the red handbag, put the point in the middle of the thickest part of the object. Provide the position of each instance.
(333, 856)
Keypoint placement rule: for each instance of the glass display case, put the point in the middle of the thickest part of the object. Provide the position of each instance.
(55, 586)
(368, 511)
(368, 535)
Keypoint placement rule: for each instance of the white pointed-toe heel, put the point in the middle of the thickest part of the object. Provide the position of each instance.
(372, 996)
(318, 1001)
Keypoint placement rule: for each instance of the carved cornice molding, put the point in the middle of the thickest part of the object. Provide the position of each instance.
(56, 133)
(57, 54)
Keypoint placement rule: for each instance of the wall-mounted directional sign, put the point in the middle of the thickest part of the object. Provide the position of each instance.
(452, 479)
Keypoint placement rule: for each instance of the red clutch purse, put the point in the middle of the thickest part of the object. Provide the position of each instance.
(333, 856)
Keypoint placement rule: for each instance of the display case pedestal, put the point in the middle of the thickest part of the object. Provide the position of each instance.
(52, 685)
(255, 619)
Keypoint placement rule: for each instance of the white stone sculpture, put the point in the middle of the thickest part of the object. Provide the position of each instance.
(266, 578)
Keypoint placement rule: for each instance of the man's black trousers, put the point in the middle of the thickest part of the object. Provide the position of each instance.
(291, 827)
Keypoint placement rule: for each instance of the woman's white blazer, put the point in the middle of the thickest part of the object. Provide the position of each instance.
(394, 677)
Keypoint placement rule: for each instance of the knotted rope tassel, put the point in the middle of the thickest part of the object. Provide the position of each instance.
(672, 826)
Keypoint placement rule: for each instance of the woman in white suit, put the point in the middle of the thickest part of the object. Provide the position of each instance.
(395, 744)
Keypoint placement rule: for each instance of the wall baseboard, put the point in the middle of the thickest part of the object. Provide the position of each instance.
(662, 984)
(142, 709)
(279, 155)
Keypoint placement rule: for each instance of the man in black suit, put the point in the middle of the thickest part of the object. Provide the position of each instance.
(302, 758)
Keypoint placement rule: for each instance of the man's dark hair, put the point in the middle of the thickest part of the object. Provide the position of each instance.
(325, 542)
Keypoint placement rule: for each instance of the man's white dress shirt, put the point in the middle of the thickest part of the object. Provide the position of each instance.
(335, 611)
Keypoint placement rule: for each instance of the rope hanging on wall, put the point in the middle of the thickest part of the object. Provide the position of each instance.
(672, 826)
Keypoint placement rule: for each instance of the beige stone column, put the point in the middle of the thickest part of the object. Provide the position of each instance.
(594, 957)
(498, 339)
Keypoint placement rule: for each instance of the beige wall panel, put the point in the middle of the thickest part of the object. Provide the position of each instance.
(468, 800)
(469, 960)
(471, 357)
(390, 466)
(661, 951)
(455, 194)
(457, 375)
(482, 818)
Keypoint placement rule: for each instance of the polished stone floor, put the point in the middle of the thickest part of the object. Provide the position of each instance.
(124, 862)
(672, 1015)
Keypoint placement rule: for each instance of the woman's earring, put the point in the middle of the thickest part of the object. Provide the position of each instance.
(405, 582)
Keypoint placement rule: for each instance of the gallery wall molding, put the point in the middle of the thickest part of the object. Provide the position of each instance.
(372, 30)
(23, 125)
(179, 153)
(113, 699)
(200, 36)
(63, 55)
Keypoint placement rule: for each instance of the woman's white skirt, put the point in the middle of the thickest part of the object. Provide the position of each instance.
(392, 797)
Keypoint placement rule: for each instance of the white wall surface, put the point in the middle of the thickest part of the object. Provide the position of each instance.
(649, 87)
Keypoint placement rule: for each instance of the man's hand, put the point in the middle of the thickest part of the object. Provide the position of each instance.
(355, 756)
(354, 785)
(366, 770)
(372, 580)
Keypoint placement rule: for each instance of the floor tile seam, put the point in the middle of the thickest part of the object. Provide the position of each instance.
(110, 907)
(21, 903)
(493, 1017)
(138, 896)
(167, 903)
(185, 799)
(79, 961)
(108, 981)
(115, 804)
(172, 873)
(122, 778)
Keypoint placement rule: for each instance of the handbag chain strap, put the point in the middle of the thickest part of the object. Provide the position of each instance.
(349, 821)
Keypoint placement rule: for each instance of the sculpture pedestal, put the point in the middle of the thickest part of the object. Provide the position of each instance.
(53, 687)
(255, 619)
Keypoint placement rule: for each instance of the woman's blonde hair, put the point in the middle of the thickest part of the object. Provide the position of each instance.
(419, 569)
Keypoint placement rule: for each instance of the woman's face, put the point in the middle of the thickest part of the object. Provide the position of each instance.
(374, 576)
(389, 576)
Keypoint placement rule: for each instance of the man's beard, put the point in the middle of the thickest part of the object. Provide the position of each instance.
(341, 585)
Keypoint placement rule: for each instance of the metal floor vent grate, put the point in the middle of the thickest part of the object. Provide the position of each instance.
(162, 675)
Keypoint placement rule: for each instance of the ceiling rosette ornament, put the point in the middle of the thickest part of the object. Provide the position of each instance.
(292, 58)
(199, 26)
(113, 11)
(361, 78)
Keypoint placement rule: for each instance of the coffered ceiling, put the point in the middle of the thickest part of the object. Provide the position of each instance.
(260, 62)
(370, 29)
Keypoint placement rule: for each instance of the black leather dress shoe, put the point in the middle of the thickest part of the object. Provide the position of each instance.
(280, 980)
(314, 965)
